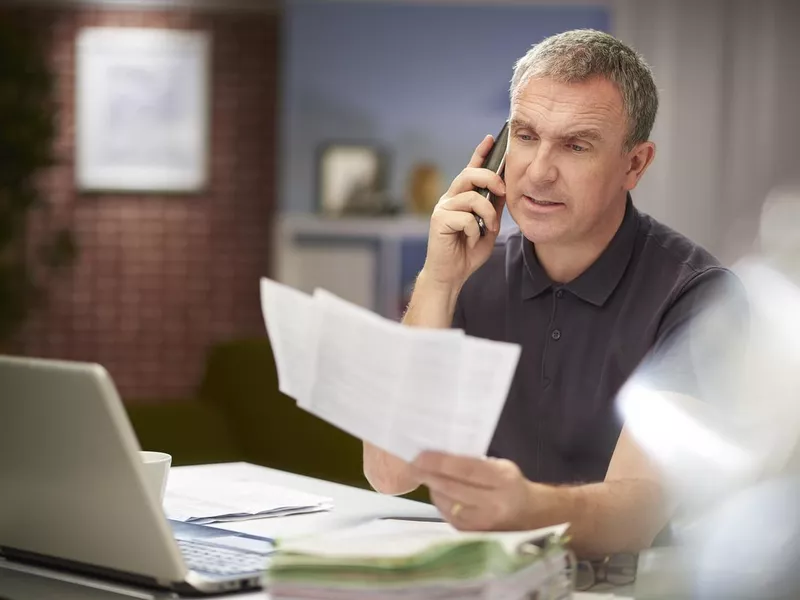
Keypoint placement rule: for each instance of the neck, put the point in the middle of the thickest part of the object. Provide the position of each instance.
(565, 262)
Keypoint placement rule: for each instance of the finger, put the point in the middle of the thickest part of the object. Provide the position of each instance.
(450, 222)
(481, 151)
(467, 494)
(454, 511)
(473, 201)
(476, 177)
(460, 515)
(445, 504)
(479, 472)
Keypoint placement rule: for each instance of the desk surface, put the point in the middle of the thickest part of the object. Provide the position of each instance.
(351, 507)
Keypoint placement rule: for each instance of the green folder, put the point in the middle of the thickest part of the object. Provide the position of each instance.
(385, 555)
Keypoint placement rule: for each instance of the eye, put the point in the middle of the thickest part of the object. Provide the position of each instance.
(525, 137)
(578, 148)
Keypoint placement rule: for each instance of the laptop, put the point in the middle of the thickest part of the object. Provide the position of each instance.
(74, 495)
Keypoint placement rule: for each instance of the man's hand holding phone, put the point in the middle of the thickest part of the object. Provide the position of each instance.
(456, 248)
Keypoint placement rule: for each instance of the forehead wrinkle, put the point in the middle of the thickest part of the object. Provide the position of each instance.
(584, 128)
(568, 108)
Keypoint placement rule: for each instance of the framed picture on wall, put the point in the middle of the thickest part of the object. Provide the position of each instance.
(352, 179)
(142, 106)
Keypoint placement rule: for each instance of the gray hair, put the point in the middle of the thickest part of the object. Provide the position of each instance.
(578, 55)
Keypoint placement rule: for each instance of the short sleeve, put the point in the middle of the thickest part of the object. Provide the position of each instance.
(716, 289)
(701, 337)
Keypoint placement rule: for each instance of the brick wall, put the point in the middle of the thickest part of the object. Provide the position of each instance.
(160, 278)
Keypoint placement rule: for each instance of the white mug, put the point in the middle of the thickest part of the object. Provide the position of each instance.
(156, 470)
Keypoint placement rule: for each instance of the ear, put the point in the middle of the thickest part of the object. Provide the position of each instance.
(638, 159)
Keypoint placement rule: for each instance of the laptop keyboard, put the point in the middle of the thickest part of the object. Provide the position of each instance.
(220, 561)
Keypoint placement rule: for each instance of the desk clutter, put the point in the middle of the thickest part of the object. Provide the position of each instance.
(378, 559)
(385, 559)
(235, 494)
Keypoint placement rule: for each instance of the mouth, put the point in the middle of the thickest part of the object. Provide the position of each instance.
(542, 205)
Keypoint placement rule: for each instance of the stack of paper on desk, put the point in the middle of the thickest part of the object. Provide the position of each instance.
(235, 496)
(404, 389)
(395, 559)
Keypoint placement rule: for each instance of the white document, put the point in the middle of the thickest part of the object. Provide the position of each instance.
(486, 380)
(382, 381)
(403, 389)
(292, 323)
(200, 498)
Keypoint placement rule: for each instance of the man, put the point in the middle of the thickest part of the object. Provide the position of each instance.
(587, 287)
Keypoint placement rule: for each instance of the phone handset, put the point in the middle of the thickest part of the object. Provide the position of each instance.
(494, 161)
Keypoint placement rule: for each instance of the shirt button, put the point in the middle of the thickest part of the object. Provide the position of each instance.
(560, 294)
(556, 335)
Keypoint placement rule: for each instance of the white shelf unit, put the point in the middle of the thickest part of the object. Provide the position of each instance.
(366, 260)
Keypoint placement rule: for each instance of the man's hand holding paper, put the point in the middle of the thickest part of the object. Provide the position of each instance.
(477, 494)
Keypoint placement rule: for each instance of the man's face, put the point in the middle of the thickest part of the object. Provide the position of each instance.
(566, 170)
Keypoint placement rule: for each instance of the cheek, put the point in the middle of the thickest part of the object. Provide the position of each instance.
(513, 169)
(588, 182)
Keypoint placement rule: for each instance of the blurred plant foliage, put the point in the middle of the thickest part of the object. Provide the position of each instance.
(27, 132)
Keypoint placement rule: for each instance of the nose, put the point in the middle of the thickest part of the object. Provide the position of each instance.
(542, 169)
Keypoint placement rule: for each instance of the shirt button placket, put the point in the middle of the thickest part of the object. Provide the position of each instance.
(555, 335)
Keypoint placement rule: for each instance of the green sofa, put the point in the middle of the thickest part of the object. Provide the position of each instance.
(239, 415)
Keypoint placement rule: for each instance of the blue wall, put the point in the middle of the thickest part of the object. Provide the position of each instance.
(426, 81)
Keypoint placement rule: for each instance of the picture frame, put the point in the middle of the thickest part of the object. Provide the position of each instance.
(352, 178)
(142, 109)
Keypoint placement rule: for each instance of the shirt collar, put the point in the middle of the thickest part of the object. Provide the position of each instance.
(597, 282)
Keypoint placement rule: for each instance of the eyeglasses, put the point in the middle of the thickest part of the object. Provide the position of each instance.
(616, 570)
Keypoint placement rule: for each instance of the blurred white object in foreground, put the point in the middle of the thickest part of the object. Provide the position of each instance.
(718, 413)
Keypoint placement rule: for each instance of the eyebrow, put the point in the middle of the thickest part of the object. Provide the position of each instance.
(592, 135)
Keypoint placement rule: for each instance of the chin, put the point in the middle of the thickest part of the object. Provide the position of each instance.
(540, 233)
(539, 229)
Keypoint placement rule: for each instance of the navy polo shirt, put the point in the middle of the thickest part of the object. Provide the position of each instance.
(581, 340)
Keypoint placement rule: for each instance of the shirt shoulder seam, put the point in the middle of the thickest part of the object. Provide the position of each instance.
(681, 261)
